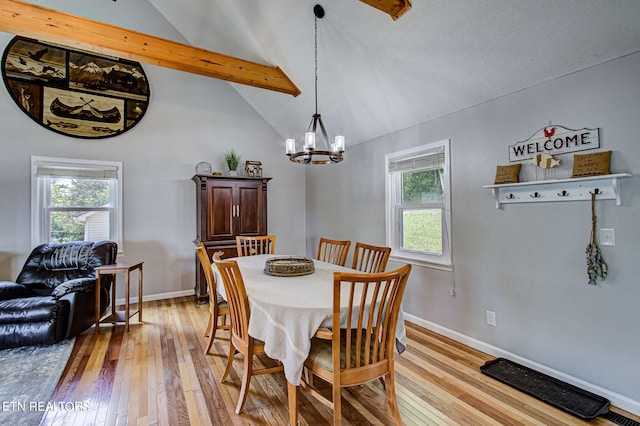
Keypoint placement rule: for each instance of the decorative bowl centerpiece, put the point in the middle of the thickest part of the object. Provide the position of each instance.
(289, 266)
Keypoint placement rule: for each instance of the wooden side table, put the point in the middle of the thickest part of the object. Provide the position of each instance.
(119, 316)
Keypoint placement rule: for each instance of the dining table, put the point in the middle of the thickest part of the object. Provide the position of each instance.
(287, 311)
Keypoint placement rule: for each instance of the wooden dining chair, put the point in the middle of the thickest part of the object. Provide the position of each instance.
(218, 307)
(250, 246)
(333, 251)
(370, 259)
(240, 340)
(370, 342)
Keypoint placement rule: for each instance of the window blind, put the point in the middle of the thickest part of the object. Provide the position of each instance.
(76, 170)
(431, 160)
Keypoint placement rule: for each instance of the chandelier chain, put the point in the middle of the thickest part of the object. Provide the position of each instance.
(316, 61)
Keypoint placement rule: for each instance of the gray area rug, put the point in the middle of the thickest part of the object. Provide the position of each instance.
(28, 377)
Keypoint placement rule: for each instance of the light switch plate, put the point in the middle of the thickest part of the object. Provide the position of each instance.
(607, 236)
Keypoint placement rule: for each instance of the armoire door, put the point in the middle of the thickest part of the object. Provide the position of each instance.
(249, 220)
(220, 211)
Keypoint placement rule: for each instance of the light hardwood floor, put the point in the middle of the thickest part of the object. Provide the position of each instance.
(158, 374)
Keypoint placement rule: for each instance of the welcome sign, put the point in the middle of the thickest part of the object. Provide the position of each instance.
(555, 140)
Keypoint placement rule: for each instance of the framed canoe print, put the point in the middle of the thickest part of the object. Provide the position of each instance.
(73, 92)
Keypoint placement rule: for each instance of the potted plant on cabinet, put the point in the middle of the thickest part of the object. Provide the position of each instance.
(232, 159)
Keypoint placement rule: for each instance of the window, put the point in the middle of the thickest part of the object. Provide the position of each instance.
(76, 200)
(418, 205)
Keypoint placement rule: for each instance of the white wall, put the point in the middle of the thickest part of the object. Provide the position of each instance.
(190, 119)
(526, 262)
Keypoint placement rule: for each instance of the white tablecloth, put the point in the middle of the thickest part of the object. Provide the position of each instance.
(287, 311)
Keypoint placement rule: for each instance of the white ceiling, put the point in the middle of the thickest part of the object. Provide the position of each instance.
(376, 75)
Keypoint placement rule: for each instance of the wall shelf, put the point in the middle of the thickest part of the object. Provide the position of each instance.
(607, 187)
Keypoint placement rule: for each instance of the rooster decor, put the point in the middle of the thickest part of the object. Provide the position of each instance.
(549, 133)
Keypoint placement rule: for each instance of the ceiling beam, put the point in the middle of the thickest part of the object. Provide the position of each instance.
(28, 20)
(395, 8)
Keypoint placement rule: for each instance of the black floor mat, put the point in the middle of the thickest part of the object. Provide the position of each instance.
(565, 396)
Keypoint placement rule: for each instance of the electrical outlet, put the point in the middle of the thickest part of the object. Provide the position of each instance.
(607, 236)
(491, 318)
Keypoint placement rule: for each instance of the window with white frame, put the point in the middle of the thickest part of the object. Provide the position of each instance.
(76, 200)
(418, 209)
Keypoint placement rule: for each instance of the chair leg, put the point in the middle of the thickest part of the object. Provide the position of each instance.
(207, 333)
(212, 335)
(213, 327)
(390, 388)
(232, 352)
(214, 316)
(246, 380)
(337, 405)
(383, 383)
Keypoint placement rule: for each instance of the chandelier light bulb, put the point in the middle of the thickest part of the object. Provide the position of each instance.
(309, 140)
(290, 146)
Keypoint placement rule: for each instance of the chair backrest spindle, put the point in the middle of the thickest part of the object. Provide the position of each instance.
(333, 251)
(369, 258)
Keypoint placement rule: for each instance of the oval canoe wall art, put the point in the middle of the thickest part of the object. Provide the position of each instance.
(73, 92)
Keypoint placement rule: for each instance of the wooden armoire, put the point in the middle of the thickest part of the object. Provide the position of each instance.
(227, 207)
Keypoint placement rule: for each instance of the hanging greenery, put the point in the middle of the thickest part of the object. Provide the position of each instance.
(596, 266)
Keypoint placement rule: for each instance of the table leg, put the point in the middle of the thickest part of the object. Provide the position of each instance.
(292, 391)
(97, 303)
(140, 294)
(113, 295)
(126, 301)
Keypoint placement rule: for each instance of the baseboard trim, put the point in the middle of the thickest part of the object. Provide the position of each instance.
(616, 399)
(160, 296)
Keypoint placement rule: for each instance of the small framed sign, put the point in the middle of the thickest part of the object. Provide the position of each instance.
(253, 168)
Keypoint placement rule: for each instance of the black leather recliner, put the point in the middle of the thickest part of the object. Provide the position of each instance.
(53, 297)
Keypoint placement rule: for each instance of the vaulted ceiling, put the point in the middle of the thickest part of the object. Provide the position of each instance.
(377, 75)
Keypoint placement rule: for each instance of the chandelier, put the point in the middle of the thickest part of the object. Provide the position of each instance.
(309, 154)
